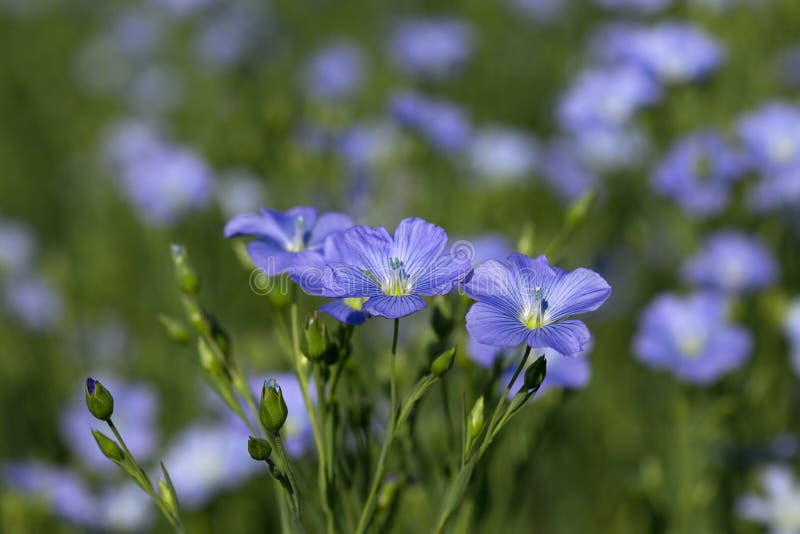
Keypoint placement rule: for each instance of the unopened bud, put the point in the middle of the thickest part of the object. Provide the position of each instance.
(443, 362)
(209, 361)
(259, 449)
(99, 400)
(314, 341)
(273, 408)
(174, 329)
(534, 375)
(184, 272)
(108, 446)
(475, 420)
(168, 496)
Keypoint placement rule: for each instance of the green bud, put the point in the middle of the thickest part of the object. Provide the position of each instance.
(534, 375)
(389, 490)
(273, 409)
(175, 330)
(475, 420)
(108, 446)
(443, 362)
(259, 449)
(442, 320)
(184, 272)
(99, 400)
(168, 496)
(209, 361)
(579, 209)
(314, 341)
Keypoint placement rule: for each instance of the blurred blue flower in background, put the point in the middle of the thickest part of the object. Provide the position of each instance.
(564, 171)
(525, 300)
(432, 47)
(671, 51)
(368, 145)
(606, 97)
(611, 149)
(136, 416)
(61, 490)
(337, 71)
(563, 372)
(780, 190)
(698, 172)
(17, 246)
(443, 124)
(635, 6)
(154, 90)
(240, 191)
(771, 136)
(124, 508)
(161, 180)
(778, 507)
(33, 301)
(691, 337)
(232, 33)
(184, 8)
(207, 459)
(791, 328)
(280, 237)
(502, 154)
(137, 31)
(391, 274)
(731, 262)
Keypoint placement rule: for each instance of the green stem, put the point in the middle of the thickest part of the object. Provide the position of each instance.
(369, 507)
(457, 489)
(294, 501)
(322, 477)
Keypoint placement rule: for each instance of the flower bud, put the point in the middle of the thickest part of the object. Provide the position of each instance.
(259, 449)
(168, 496)
(99, 400)
(534, 375)
(475, 420)
(389, 491)
(443, 362)
(184, 271)
(314, 341)
(108, 446)
(442, 320)
(209, 361)
(273, 409)
(174, 329)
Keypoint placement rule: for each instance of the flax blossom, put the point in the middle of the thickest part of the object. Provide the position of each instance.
(282, 236)
(525, 300)
(389, 275)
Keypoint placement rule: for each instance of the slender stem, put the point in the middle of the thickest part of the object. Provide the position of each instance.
(369, 507)
(294, 501)
(457, 489)
(322, 477)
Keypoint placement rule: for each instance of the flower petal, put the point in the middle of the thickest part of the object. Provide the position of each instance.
(441, 276)
(308, 271)
(326, 225)
(494, 283)
(369, 250)
(418, 243)
(568, 337)
(269, 257)
(490, 325)
(345, 280)
(579, 291)
(344, 313)
(393, 307)
(260, 226)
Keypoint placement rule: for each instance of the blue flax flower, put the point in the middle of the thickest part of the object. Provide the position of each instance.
(442, 124)
(779, 508)
(698, 172)
(731, 262)
(690, 337)
(432, 48)
(771, 136)
(525, 300)
(281, 236)
(335, 72)
(671, 51)
(391, 274)
(502, 154)
(606, 97)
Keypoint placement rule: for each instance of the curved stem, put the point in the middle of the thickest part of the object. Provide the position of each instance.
(294, 501)
(369, 507)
